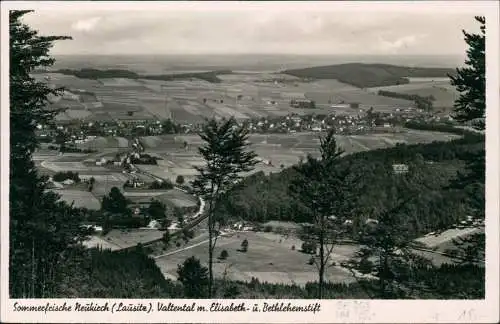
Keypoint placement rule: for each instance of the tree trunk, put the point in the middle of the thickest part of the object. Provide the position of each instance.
(321, 239)
(210, 254)
(322, 264)
(381, 275)
(33, 277)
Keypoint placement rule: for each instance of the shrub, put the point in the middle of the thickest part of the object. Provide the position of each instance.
(194, 277)
(309, 247)
(161, 185)
(268, 228)
(293, 247)
(179, 180)
(365, 266)
(232, 291)
(311, 261)
(244, 245)
(223, 255)
(61, 176)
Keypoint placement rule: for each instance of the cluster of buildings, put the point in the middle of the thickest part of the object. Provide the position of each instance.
(78, 132)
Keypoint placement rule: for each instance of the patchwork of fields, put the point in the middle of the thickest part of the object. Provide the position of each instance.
(275, 150)
(440, 88)
(189, 101)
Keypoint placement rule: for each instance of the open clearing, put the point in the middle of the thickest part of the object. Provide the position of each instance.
(119, 239)
(266, 259)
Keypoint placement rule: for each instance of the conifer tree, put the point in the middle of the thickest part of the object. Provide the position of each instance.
(193, 277)
(387, 243)
(225, 158)
(470, 80)
(326, 187)
(471, 107)
(41, 228)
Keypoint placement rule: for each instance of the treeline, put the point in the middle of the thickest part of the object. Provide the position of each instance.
(94, 74)
(210, 76)
(97, 273)
(446, 282)
(369, 75)
(261, 198)
(421, 102)
(68, 175)
(88, 73)
(144, 159)
(439, 127)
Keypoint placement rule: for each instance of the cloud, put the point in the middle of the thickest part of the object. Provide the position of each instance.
(257, 31)
(86, 25)
(393, 46)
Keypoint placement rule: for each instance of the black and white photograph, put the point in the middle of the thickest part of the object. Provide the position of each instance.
(282, 157)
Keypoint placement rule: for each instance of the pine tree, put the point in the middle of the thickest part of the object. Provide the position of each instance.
(470, 80)
(157, 209)
(470, 107)
(193, 277)
(326, 187)
(226, 158)
(41, 228)
(115, 203)
(388, 244)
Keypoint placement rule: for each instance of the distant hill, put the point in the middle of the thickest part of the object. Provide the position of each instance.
(94, 74)
(369, 75)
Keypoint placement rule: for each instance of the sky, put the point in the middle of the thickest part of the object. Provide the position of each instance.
(269, 30)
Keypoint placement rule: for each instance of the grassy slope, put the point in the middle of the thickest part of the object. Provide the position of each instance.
(368, 75)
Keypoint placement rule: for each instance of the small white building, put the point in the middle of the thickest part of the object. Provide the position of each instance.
(154, 224)
(68, 182)
(400, 168)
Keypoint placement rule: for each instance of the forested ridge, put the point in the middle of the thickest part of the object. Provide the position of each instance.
(94, 74)
(262, 198)
(368, 75)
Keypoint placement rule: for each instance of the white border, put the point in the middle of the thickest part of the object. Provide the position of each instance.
(376, 311)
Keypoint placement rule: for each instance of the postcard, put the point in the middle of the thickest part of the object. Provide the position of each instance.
(250, 162)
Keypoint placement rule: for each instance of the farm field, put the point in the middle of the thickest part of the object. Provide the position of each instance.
(246, 95)
(274, 150)
(172, 197)
(266, 259)
(79, 198)
(441, 89)
(119, 239)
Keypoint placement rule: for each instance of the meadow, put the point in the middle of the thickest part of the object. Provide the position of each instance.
(80, 198)
(269, 258)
